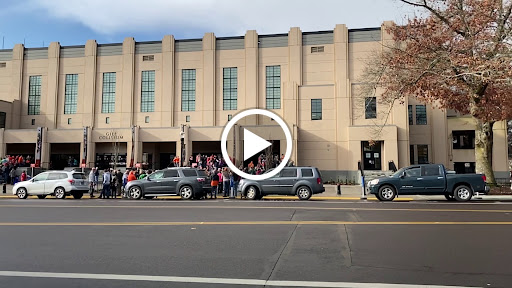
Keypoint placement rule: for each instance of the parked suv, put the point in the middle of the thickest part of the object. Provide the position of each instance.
(300, 181)
(186, 182)
(57, 183)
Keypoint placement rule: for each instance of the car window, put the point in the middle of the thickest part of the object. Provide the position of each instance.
(41, 177)
(288, 173)
(306, 172)
(79, 176)
(413, 172)
(431, 170)
(171, 173)
(53, 176)
(156, 175)
(189, 173)
(202, 173)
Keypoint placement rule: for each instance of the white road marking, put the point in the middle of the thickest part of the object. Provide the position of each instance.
(229, 281)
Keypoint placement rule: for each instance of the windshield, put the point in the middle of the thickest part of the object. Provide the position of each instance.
(398, 173)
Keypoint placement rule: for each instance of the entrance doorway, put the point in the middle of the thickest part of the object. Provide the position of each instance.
(64, 155)
(372, 159)
(275, 148)
(106, 155)
(158, 155)
(27, 150)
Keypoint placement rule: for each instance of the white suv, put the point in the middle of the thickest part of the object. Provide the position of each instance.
(56, 183)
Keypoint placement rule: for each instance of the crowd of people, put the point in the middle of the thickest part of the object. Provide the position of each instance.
(11, 166)
(114, 181)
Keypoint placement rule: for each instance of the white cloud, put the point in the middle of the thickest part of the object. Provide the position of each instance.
(224, 17)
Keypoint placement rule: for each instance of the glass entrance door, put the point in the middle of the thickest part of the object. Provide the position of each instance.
(372, 159)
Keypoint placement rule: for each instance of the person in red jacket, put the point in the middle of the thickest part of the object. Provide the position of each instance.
(132, 176)
(23, 176)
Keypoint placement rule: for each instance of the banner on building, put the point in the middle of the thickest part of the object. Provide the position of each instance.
(39, 145)
(84, 153)
(133, 147)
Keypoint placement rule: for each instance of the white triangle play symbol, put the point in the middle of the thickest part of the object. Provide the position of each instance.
(253, 144)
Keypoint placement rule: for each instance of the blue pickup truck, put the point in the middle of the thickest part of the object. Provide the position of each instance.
(428, 179)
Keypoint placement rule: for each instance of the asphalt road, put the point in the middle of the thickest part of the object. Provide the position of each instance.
(232, 243)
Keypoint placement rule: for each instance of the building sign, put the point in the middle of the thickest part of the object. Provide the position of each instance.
(39, 145)
(84, 159)
(111, 136)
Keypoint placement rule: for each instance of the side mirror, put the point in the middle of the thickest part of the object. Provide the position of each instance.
(32, 180)
(402, 175)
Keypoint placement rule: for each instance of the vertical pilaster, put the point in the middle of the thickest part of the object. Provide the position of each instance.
(52, 98)
(89, 97)
(127, 96)
(16, 85)
(342, 98)
(168, 83)
(294, 79)
(251, 73)
(45, 149)
(3, 146)
(209, 103)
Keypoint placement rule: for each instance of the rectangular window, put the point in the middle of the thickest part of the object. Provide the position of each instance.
(422, 154)
(147, 96)
(148, 58)
(409, 111)
(411, 155)
(421, 115)
(317, 49)
(316, 109)
(230, 88)
(463, 139)
(71, 94)
(273, 85)
(2, 119)
(34, 95)
(370, 108)
(188, 90)
(108, 102)
(3, 64)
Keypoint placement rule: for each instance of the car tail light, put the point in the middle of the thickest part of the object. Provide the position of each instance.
(71, 181)
(200, 179)
(484, 177)
(318, 181)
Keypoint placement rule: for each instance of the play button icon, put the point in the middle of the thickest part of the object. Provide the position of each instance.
(253, 144)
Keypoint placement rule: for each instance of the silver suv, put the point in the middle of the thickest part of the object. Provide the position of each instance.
(300, 181)
(57, 183)
(185, 182)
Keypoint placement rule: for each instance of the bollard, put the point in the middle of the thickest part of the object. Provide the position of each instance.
(338, 189)
(4, 188)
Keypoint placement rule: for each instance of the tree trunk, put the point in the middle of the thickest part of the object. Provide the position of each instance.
(483, 149)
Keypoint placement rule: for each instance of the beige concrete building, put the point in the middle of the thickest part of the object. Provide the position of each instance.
(137, 100)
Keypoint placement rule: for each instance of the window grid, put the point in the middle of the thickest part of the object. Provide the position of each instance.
(188, 90)
(421, 115)
(316, 109)
(108, 102)
(409, 112)
(273, 85)
(370, 108)
(34, 95)
(147, 98)
(230, 88)
(71, 94)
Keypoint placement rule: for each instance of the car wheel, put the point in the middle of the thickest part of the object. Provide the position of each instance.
(77, 195)
(186, 192)
(463, 193)
(252, 193)
(386, 193)
(22, 193)
(60, 193)
(135, 192)
(41, 196)
(449, 197)
(304, 193)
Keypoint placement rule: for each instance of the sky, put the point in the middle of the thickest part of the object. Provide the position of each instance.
(36, 23)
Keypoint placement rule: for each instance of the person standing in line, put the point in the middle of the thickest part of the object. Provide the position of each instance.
(132, 176)
(119, 182)
(221, 183)
(12, 174)
(92, 179)
(214, 183)
(105, 192)
(125, 180)
(23, 176)
(226, 181)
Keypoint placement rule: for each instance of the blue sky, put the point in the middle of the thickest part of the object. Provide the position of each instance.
(73, 22)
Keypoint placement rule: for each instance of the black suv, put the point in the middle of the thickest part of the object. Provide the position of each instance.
(185, 182)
